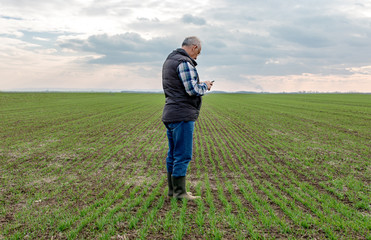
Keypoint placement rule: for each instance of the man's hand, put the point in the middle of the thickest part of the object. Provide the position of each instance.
(209, 84)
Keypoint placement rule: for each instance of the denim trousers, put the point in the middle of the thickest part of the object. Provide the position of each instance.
(180, 136)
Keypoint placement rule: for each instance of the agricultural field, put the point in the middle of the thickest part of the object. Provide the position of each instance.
(268, 166)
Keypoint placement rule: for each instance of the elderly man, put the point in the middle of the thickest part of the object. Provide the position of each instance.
(183, 91)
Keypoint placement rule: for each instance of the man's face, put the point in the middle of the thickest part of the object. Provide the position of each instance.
(195, 51)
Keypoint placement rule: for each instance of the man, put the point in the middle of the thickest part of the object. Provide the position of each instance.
(183, 91)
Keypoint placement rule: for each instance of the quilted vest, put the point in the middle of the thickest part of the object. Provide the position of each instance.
(179, 106)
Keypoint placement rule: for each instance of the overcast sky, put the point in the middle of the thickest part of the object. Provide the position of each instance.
(275, 46)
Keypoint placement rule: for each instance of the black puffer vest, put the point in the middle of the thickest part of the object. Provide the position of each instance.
(179, 105)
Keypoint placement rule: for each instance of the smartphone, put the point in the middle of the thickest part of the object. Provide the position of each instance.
(212, 81)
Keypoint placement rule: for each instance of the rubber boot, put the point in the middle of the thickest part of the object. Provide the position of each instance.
(179, 184)
(170, 184)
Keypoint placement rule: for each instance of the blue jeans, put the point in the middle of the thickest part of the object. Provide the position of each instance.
(180, 136)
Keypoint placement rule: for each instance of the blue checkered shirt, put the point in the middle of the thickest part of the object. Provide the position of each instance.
(188, 74)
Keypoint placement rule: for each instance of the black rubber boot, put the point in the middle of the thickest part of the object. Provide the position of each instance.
(179, 184)
(170, 184)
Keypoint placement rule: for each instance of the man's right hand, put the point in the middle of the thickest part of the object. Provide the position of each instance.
(209, 84)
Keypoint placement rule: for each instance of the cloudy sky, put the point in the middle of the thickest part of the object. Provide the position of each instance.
(275, 46)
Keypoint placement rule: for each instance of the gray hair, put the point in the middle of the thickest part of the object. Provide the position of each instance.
(189, 41)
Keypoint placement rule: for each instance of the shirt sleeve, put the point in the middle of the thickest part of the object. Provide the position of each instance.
(188, 74)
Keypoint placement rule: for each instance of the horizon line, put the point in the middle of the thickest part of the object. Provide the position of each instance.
(95, 90)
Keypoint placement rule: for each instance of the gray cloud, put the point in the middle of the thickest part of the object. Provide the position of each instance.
(106, 8)
(121, 48)
(301, 35)
(188, 18)
(10, 18)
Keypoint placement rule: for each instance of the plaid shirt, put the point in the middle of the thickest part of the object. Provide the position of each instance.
(188, 74)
